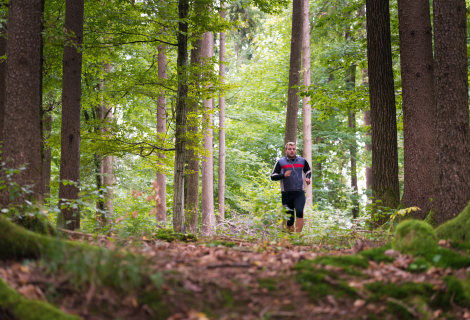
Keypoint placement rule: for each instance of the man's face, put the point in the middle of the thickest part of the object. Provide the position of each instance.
(291, 151)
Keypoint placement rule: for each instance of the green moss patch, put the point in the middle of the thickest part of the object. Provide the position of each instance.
(268, 283)
(221, 243)
(170, 235)
(457, 229)
(377, 254)
(443, 257)
(414, 237)
(320, 282)
(345, 262)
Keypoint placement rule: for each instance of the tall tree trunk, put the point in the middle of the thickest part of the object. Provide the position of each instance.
(221, 189)
(22, 120)
(208, 217)
(452, 187)
(161, 129)
(353, 148)
(367, 149)
(71, 96)
(47, 157)
(419, 114)
(181, 113)
(3, 63)
(306, 107)
(107, 163)
(294, 71)
(192, 204)
(382, 105)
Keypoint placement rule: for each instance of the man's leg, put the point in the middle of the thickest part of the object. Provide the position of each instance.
(288, 203)
(299, 204)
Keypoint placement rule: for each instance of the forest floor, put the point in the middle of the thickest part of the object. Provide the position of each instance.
(228, 278)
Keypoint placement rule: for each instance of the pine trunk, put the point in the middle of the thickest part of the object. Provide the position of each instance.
(192, 205)
(3, 63)
(417, 76)
(71, 96)
(22, 119)
(452, 185)
(221, 189)
(295, 70)
(306, 107)
(353, 148)
(161, 130)
(208, 217)
(181, 113)
(382, 104)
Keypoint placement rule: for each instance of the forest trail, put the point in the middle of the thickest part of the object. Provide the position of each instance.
(220, 279)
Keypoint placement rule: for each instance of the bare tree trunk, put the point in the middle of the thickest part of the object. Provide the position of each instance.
(294, 71)
(353, 147)
(192, 204)
(208, 217)
(47, 157)
(161, 129)
(452, 187)
(221, 191)
(3, 63)
(367, 149)
(382, 104)
(22, 119)
(181, 114)
(306, 107)
(71, 96)
(419, 114)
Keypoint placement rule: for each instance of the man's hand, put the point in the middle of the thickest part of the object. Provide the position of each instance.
(287, 174)
(307, 181)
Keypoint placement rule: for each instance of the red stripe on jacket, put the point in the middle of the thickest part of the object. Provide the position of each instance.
(296, 165)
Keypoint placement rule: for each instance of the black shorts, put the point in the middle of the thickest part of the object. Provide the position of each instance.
(293, 201)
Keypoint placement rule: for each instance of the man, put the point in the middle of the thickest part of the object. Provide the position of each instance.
(292, 171)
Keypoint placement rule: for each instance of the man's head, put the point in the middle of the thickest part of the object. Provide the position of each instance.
(290, 149)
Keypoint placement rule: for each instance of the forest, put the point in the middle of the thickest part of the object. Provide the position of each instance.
(234, 159)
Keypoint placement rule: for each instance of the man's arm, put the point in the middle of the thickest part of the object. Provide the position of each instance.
(276, 175)
(308, 172)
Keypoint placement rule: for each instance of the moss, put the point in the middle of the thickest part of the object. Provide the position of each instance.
(170, 235)
(320, 282)
(344, 262)
(25, 309)
(221, 243)
(419, 265)
(443, 257)
(430, 219)
(462, 246)
(377, 254)
(414, 237)
(457, 229)
(152, 298)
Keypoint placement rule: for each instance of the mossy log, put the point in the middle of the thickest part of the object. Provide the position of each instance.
(457, 229)
(21, 308)
(17, 242)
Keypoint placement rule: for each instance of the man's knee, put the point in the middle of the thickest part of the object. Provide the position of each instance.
(299, 214)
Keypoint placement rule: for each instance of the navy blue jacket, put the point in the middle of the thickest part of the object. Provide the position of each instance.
(295, 182)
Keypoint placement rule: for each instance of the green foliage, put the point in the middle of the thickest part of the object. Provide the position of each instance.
(346, 262)
(170, 235)
(457, 229)
(217, 243)
(414, 237)
(377, 254)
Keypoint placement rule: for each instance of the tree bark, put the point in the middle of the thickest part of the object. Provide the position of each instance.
(161, 129)
(3, 63)
(367, 149)
(294, 72)
(419, 114)
(181, 113)
(208, 217)
(47, 157)
(221, 189)
(22, 120)
(192, 205)
(452, 187)
(71, 96)
(306, 107)
(382, 105)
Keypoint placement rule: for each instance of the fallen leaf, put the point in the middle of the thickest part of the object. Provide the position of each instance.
(359, 303)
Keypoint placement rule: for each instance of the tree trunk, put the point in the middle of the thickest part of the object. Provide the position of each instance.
(382, 105)
(22, 120)
(367, 149)
(47, 157)
(208, 217)
(181, 110)
(107, 163)
(353, 148)
(294, 71)
(419, 112)
(452, 187)
(221, 191)
(306, 107)
(192, 204)
(3, 63)
(161, 129)
(71, 95)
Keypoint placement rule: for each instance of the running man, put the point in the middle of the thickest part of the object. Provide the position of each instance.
(292, 171)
